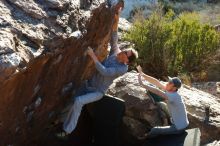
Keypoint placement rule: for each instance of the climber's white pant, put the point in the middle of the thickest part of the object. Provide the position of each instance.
(74, 112)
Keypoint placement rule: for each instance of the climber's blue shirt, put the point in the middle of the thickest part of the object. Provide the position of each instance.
(107, 71)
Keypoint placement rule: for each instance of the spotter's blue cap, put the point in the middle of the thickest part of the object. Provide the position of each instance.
(176, 81)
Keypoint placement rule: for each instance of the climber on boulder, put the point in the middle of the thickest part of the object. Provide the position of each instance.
(175, 102)
(115, 65)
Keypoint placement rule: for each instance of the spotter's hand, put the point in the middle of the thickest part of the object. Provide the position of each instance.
(139, 69)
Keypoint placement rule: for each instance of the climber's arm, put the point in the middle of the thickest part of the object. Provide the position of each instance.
(152, 89)
(110, 71)
(114, 35)
(91, 53)
(106, 71)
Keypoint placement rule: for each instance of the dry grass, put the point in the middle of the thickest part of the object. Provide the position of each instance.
(211, 14)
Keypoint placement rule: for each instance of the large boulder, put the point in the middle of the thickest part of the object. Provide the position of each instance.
(215, 143)
(42, 46)
(141, 113)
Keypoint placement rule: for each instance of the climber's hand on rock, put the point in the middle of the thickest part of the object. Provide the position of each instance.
(119, 7)
(90, 52)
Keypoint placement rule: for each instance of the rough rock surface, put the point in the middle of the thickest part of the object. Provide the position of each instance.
(215, 143)
(42, 46)
(210, 87)
(142, 114)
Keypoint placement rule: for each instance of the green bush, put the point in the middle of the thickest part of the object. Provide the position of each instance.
(169, 45)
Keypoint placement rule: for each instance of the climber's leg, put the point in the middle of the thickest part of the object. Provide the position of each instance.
(81, 91)
(74, 113)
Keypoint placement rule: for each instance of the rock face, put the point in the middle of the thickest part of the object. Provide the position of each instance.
(142, 113)
(42, 46)
(210, 87)
(215, 143)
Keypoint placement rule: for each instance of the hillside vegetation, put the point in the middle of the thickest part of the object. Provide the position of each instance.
(173, 43)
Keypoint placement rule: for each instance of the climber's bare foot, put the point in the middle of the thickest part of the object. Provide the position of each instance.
(143, 137)
(165, 122)
(146, 136)
(62, 135)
